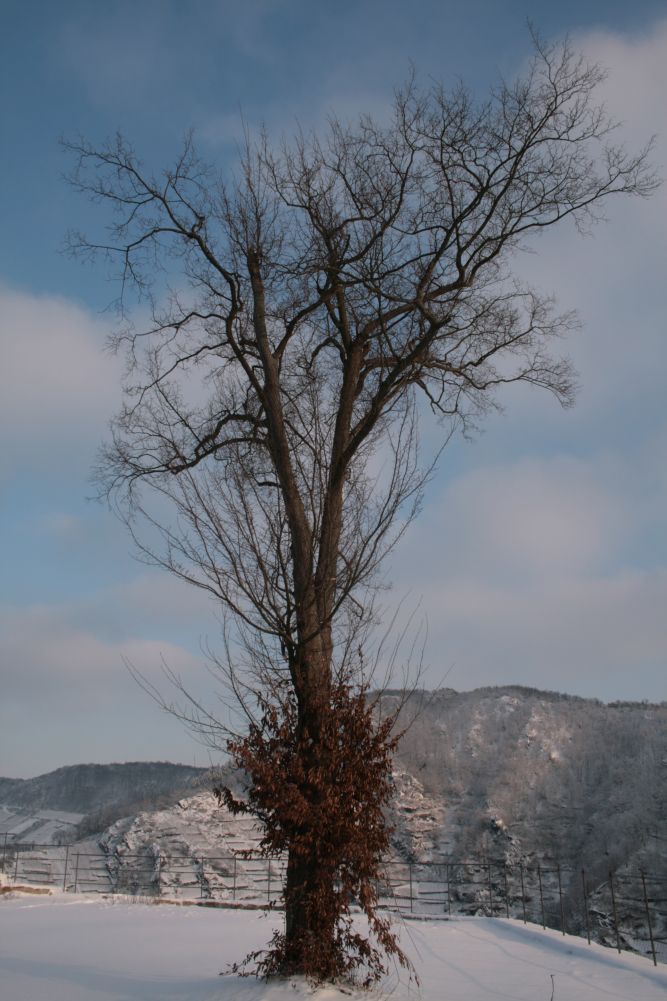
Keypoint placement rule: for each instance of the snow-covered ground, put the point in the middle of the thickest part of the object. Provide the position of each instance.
(37, 826)
(78, 948)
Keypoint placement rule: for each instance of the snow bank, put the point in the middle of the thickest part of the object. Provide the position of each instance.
(67, 948)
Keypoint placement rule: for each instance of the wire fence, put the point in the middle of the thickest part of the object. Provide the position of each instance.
(626, 910)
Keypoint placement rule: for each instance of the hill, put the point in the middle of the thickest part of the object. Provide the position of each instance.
(520, 771)
(512, 775)
(502, 772)
(101, 792)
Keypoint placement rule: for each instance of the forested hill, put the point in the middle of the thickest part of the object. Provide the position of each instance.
(506, 772)
(89, 788)
(523, 770)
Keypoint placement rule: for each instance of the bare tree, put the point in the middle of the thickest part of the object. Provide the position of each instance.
(301, 309)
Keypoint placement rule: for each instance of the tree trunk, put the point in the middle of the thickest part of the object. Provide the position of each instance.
(310, 912)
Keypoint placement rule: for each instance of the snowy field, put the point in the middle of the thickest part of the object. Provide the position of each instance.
(38, 826)
(77, 948)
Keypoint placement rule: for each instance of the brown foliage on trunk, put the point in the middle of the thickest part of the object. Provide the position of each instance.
(322, 801)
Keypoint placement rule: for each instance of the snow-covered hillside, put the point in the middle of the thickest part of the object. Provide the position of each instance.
(44, 827)
(511, 775)
(197, 848)
(86, 789)
(542, 775)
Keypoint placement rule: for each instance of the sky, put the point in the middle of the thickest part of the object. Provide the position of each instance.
(540, 556)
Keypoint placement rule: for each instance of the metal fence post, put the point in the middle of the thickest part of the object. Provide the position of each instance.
(268, 880)
(410, 874)
(66, 861)
(648, 919)
(449, 894)
(560, 900)
(234, 881)
(588, 927)
(4, 851)
(490, 891)
(613, 904)
(523, 894)
(76, 872)
(539, 876)
(507, 892)
(16, 865)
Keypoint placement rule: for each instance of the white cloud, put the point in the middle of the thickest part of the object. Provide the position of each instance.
(635, 87)
(592, 636)
(150, 603)
(67, 696)
(547, 572)
(61, 527)
(57, 386)
(44, 650)
(615, 277)
(531, 517)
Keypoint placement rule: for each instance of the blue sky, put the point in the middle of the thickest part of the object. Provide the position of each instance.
(541, 555)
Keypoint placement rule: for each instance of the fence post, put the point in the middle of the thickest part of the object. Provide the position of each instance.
(539, 877)
(490, 891)
(234, 881)
(66, 861)
(4, 851)
(449, 895)
(613, 904)
(648, 919)
(588, 927)
(16, 864)
(523, 894)
(410, 873)
(76, 872)
(268, 880)
(507, 892)
(560, 899)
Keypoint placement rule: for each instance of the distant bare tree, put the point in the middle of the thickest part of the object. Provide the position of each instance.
(271, 407)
